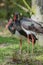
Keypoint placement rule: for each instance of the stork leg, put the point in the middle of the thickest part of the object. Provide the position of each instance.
(28, 40)
(20, 45)
(32, 43)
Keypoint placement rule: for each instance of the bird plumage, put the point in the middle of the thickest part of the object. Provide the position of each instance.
(26, 26)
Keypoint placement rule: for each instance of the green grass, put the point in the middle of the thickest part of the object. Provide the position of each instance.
(8, 40)
(12, 46)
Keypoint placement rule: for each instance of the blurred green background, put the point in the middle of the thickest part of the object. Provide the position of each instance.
(8, 7)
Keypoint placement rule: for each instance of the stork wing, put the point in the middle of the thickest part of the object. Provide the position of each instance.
(26, 23)
(31, 25)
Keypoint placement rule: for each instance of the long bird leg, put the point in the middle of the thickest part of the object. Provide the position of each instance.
(20, 45)
(32, 43)
(28, 40)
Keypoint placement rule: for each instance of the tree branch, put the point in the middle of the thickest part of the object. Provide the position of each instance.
(25, 9)
(31, 11)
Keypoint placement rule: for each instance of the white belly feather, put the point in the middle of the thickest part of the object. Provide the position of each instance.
(28, 31)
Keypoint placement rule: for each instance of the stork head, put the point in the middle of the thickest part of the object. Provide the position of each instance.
(16, 16)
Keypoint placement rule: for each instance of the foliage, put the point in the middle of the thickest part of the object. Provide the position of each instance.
(2, 15)
(10, 8)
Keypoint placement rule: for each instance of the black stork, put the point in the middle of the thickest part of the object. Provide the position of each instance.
(27, 28)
